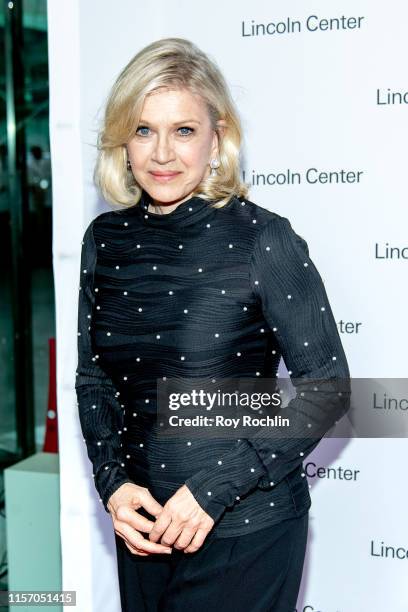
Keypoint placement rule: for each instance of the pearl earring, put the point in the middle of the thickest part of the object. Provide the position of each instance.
(214, 164)
(128, 165)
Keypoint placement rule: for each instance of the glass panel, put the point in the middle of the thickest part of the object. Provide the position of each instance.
(7, 382)
(40, 202)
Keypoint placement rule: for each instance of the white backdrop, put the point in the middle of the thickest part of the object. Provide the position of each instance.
(310, 97)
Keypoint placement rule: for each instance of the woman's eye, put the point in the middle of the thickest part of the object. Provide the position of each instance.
(142, 130)
(141, 127)
(191, 130)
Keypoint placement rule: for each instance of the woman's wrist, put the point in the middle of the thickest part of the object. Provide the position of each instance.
(106, 490)
(215, 508)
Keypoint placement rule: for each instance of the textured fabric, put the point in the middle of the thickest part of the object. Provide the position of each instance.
(199, 292)
(258, 572)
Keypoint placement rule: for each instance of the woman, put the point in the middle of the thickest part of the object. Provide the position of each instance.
(189, 278)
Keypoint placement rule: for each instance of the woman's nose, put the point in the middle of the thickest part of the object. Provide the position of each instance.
(163, 151)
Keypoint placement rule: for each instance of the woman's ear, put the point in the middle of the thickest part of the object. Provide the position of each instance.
(218, 135)
(221, 127)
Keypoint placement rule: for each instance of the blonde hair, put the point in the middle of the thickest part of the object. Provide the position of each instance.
(175, 63)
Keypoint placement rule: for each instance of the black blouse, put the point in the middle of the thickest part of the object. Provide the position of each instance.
(198, 292)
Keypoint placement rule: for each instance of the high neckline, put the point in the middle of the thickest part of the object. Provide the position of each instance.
(189, 212)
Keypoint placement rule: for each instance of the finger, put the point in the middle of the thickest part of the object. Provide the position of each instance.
(140, 523)
(171, 534)
(134, 550)
(138, 541)
(197, 541)
(184, 538)
(127, 514)
(128, 544)
(150, 504)
(160, 526)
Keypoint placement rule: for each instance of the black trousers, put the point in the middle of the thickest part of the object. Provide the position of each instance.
(258, 572)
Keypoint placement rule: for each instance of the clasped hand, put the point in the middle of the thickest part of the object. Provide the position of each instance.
(181, 522)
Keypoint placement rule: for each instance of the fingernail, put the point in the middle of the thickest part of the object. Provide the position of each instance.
(168, 551)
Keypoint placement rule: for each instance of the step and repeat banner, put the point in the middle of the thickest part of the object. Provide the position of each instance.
(322, 91)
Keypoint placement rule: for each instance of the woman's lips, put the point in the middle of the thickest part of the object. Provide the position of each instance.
(165, 176)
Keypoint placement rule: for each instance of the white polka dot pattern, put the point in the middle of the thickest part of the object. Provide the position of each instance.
(198, 290)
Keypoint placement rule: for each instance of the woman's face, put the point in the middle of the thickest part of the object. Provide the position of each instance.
(173, 146)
